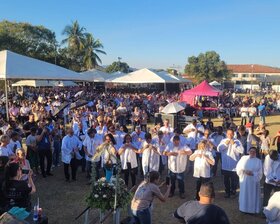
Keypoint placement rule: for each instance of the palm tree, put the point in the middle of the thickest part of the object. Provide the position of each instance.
(75, 36)
(92, 48)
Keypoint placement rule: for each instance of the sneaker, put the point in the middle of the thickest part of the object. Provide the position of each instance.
(182, 195)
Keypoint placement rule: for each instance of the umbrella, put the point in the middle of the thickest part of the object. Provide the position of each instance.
(60, 108)
(78, 93)
(172, 108)
(77, 104)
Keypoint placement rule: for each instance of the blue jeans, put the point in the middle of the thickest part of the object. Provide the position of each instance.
(142, 216)
(181, 183)
(262, 119)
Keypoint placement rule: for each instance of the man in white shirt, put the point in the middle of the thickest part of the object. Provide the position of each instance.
(244, 114)
(252, 113)
(271, 169)
(167, 129)
(122, 112)
(138, 137)
(177, 162)
(194, 131)
(91, 142)
(71, 145)
(230, 149)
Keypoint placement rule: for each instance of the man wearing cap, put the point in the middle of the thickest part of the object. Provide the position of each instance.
(202, 211)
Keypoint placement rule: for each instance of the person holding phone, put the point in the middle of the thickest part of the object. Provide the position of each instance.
(17, 192)
(144, 196)
(23, 162)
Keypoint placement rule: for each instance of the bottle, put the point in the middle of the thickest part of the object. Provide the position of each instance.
(35, 213)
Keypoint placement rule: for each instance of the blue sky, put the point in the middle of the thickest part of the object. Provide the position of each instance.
(163, 33)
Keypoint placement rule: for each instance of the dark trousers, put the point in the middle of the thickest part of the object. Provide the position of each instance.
(215, 167)
(56, 153)
(252, 120)
(243, 120)
(140, 164)
(97, 166)
(200, 181)
(161, 166)
(142, 216)
(230, 181)
(278, 147)
(82, 162)
(181, 183)
(267, 189)
(132, 172)
(45, 153)
(73, 165)
(32, 157)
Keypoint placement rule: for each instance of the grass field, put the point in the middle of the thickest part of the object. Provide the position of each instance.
(62, 201)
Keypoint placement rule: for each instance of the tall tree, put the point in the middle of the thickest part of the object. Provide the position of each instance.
(118, 66)
(74, 36)
(26, 39)
(207, 66)
(92, 48)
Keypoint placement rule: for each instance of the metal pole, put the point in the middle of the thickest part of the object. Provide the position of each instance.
(7, 100)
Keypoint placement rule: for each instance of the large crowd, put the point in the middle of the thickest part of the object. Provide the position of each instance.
(85, 128)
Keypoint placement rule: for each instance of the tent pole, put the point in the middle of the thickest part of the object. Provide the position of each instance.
(7, 100)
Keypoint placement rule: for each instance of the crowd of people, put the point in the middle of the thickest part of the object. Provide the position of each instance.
(46, 129)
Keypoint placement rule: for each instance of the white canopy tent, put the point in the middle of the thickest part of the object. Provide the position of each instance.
(44, 83)
(146, 76)
(215, 83)
(94, 75)
(16, 66)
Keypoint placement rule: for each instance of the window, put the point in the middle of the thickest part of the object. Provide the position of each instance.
(245, 75)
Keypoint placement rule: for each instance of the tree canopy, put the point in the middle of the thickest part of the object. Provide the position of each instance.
(79, 50)
(118, 66)
(207, 66)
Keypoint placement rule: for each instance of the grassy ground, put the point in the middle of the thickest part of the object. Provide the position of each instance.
(62, 201)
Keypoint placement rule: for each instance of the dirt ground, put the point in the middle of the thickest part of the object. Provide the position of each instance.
(62, 201)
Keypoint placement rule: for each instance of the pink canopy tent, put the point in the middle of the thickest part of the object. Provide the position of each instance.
(203, 89)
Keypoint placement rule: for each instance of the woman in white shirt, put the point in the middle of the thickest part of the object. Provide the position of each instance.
(128, 160)
(202, 158)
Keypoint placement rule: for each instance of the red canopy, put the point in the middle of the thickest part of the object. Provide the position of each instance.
(203, 89)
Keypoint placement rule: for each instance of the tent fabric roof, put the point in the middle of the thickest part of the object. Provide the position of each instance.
(16, 66)
(144, 76)
(44, 83)
(94, 75)
(214, 83)
(203, 89)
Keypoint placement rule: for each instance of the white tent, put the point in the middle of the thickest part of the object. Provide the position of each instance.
(144, 76)
(44, 83)
(215, 83)
(179, 78)
(94, 75)
(16, 66)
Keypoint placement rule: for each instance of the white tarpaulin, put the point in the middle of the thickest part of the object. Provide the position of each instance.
(215, 83)
(172, 108)
(16, 66)
(44, 83)
(94, 75)
(144, 76)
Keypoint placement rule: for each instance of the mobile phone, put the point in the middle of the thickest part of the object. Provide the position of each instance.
(25, 171)
(167, 180)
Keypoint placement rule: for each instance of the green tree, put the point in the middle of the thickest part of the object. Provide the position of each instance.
(207, 66)
(118, 66)
(90, 53)
(74, 36)
(26, 39)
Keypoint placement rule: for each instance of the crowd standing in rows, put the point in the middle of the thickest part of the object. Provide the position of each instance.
(54, 130)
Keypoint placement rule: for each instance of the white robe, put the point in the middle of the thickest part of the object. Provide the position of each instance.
(250, 191)
(150, 159)
(272, 210)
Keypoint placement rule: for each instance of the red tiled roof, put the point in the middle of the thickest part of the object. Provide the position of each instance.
(249, 68)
